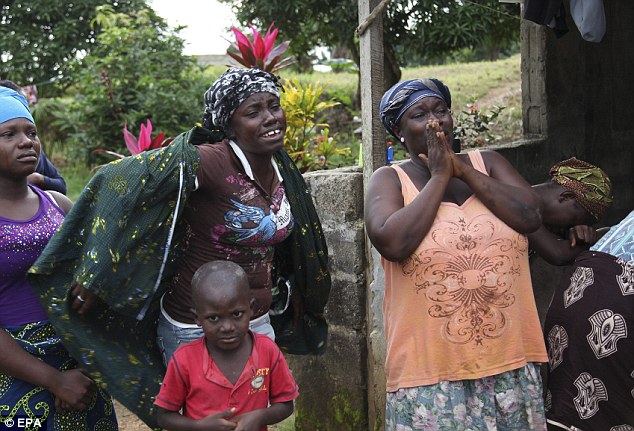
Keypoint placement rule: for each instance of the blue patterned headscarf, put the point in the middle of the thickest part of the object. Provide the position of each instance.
(228, 92)
(403, 95)
(13, 105)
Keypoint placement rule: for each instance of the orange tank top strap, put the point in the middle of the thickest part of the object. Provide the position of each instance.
(407, 186)
(477, 161)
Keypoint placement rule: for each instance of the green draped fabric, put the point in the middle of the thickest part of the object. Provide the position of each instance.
(113, 241)
(302, 259)
(121, 240)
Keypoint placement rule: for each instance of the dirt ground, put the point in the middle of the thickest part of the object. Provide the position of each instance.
(128, 421)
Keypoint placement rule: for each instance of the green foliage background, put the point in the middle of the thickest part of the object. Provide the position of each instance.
(135, 72)
(41, 39)
(416, 32)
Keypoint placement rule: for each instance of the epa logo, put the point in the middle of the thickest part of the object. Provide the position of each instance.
(21, 423)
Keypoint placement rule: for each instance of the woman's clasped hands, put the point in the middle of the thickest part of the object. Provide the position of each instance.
(440, 158)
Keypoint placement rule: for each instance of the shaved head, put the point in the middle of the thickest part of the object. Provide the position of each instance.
(219, 275)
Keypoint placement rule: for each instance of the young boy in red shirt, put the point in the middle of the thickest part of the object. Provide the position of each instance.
(231, 378)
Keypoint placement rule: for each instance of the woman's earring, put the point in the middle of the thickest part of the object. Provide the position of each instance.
(402, 140)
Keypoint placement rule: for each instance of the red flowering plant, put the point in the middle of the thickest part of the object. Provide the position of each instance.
(136, 145)
(260, 52)
(145, 141)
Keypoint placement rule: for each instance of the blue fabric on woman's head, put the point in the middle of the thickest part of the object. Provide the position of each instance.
(403, 95)
(13, 105)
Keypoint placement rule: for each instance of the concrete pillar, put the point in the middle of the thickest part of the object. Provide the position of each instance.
(333, 387)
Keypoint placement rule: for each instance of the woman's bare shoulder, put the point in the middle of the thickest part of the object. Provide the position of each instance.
(383, 174)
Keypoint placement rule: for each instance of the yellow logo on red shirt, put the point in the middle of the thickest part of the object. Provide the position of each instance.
(257, 383)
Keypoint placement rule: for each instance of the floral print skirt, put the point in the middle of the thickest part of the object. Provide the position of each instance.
(508, 401)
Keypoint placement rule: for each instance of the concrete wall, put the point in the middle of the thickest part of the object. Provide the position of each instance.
(333, 387)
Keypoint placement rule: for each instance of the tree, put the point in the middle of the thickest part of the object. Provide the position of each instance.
(414, 30)
(430, 30)
(40, 38)
(135, 72)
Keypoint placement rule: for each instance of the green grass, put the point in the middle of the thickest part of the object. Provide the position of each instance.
(76, 177)
(287, 424)
(469, 81)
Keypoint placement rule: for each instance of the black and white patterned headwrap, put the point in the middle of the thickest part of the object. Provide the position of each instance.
(403, 95)
(228, 92)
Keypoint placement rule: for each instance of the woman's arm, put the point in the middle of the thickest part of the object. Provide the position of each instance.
(73, 388)
(553, 249)
(503, 191)
(396, 230)
(560, 251)
(62, 201)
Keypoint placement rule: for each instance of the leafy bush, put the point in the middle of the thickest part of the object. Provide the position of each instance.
(136, 72)
(52, 131)
(308, 142)
(473, 127)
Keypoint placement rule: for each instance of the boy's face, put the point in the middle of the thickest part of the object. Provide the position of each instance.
(223, 312)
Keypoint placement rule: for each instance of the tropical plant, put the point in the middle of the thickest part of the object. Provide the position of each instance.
(474, 127)
(260, 52)
(326, 148)
(307, 141)
(135, 145)
(145, 141)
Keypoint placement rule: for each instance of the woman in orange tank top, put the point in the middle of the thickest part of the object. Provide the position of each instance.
(463, 334)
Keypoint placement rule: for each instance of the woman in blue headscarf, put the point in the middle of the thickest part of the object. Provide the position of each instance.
(40, 384)
(463, 334)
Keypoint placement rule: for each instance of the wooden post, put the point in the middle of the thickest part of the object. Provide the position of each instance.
(374, 156)
(371, 84)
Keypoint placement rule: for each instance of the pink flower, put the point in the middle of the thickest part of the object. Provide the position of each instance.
(261, 52)
(145, 141)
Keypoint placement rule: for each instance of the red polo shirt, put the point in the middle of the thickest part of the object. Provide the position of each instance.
(194, 383)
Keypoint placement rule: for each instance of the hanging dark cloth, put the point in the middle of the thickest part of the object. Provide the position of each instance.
(547, 12)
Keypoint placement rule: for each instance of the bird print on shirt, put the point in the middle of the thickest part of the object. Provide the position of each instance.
(262, 224)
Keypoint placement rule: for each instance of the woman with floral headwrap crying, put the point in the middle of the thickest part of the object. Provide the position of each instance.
(463, 335)
(242, 207)
(577, 196)
(224, 190)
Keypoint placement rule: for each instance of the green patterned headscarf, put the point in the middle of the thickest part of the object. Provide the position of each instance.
(589, 183)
